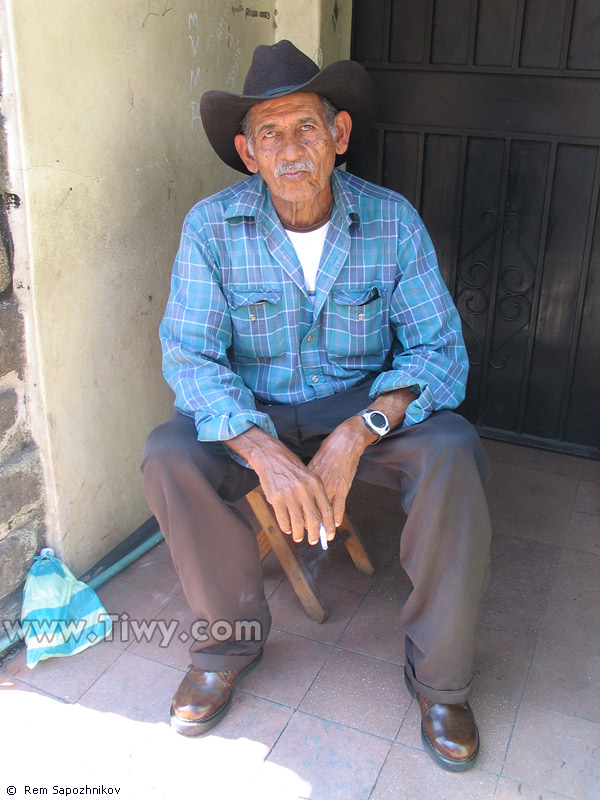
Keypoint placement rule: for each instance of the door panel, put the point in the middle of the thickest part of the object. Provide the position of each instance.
(488, 122)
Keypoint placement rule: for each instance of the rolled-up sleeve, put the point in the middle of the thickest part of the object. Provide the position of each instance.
(195, 335)
(429, 355)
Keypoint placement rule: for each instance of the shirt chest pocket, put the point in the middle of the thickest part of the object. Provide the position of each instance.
(259, 322)
(355, 324)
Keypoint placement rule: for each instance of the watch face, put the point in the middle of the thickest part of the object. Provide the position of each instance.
(378, 419)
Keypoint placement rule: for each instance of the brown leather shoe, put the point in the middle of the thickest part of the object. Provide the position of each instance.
(203, 698)
(449, 732)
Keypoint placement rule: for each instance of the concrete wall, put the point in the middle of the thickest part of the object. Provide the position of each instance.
(107, 154)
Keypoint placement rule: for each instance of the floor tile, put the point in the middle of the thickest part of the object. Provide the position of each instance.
(583, 533)
(572, 621)
(517, 559)
(382, 549)
(495, 717)
(132, 605)
(67, 678)
(272, 573)
(288, 615)
(412, 774)
(375, 630)
(360, 692)
(515, 606)
(321, 760)
(572, 618)
(578, 573)
(590, 470)
(530, 504)
(565, 680)
(502, 661)
(55, 743)
(534, 458)
(167, 638)
(136, 688)
(391, 582)
(588, 498)
(555, 752)
(154, 570)
(517, 790)
(335, 566)
(226, 758)
(290, 665)
(8, 684)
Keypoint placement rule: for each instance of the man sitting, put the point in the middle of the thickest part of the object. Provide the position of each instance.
(310, 340)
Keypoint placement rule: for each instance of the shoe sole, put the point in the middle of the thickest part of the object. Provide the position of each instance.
(199, 727)
(449, 764)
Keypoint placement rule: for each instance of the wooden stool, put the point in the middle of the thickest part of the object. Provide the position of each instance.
(271, 537)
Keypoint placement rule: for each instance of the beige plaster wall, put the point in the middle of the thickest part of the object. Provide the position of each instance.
(107, 155)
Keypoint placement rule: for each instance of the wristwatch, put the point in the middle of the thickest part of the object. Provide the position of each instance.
(376, 421)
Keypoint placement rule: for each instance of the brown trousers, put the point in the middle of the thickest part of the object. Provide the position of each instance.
(440, 468)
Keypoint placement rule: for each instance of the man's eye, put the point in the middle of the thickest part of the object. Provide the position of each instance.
(307, 127)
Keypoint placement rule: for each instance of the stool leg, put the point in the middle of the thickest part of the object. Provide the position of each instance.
(356, 548)
(285, 550)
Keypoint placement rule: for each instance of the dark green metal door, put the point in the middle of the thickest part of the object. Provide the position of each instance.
(489, 123)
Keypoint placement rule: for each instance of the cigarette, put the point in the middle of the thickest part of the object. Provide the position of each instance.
(323, 537)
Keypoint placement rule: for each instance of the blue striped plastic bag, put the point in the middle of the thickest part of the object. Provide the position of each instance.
(60, 615)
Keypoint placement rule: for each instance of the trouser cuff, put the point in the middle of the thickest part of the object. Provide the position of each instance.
(218, 662)
(446, 696)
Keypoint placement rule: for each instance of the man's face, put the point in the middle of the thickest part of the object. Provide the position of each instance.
(293, 148)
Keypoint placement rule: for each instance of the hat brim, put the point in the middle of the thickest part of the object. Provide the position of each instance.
(346, 84)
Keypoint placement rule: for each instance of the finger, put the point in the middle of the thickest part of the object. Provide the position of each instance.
(289, 519)
(297, 522)
(327, 517)
(339, 508)
(283, 520)
(313, 524)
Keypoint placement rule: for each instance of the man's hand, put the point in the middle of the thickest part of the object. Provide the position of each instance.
(336, 461)
(296, 493)
(304, 497)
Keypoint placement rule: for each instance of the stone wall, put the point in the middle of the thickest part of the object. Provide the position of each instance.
(21, 484)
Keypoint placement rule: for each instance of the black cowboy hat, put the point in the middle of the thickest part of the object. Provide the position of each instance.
(278, 70)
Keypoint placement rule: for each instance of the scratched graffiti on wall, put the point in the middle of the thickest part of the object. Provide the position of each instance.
(215, 48)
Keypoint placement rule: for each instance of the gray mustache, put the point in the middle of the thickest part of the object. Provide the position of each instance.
(294, 166)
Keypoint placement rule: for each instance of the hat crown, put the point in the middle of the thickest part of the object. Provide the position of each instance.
(277, 68)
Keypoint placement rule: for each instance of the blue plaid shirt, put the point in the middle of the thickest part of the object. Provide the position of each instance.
(240, 325)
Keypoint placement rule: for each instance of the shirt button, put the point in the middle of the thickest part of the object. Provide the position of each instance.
(361, 317)
(315, 378)
(252, 317)
(309, 337)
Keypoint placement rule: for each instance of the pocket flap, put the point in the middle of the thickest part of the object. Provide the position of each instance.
(242, 298)
(355, 297)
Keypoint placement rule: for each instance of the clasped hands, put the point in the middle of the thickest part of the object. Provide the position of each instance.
(304, 496)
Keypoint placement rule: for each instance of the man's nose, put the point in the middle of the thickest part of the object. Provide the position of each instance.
(291, 148)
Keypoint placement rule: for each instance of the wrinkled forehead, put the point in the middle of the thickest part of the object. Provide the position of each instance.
(298, 104)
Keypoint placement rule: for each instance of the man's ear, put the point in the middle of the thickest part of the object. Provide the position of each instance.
(241, 145)
(343, 125)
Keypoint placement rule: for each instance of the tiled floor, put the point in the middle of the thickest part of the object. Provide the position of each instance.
(326, 714)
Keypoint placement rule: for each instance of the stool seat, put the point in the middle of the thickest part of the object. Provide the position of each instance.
(271, 537)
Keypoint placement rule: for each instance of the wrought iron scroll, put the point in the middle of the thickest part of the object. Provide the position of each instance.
(515, 282)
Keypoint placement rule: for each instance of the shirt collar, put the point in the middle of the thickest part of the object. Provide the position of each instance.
(254, 200)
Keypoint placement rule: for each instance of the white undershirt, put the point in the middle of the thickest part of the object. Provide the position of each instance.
(308, 247)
